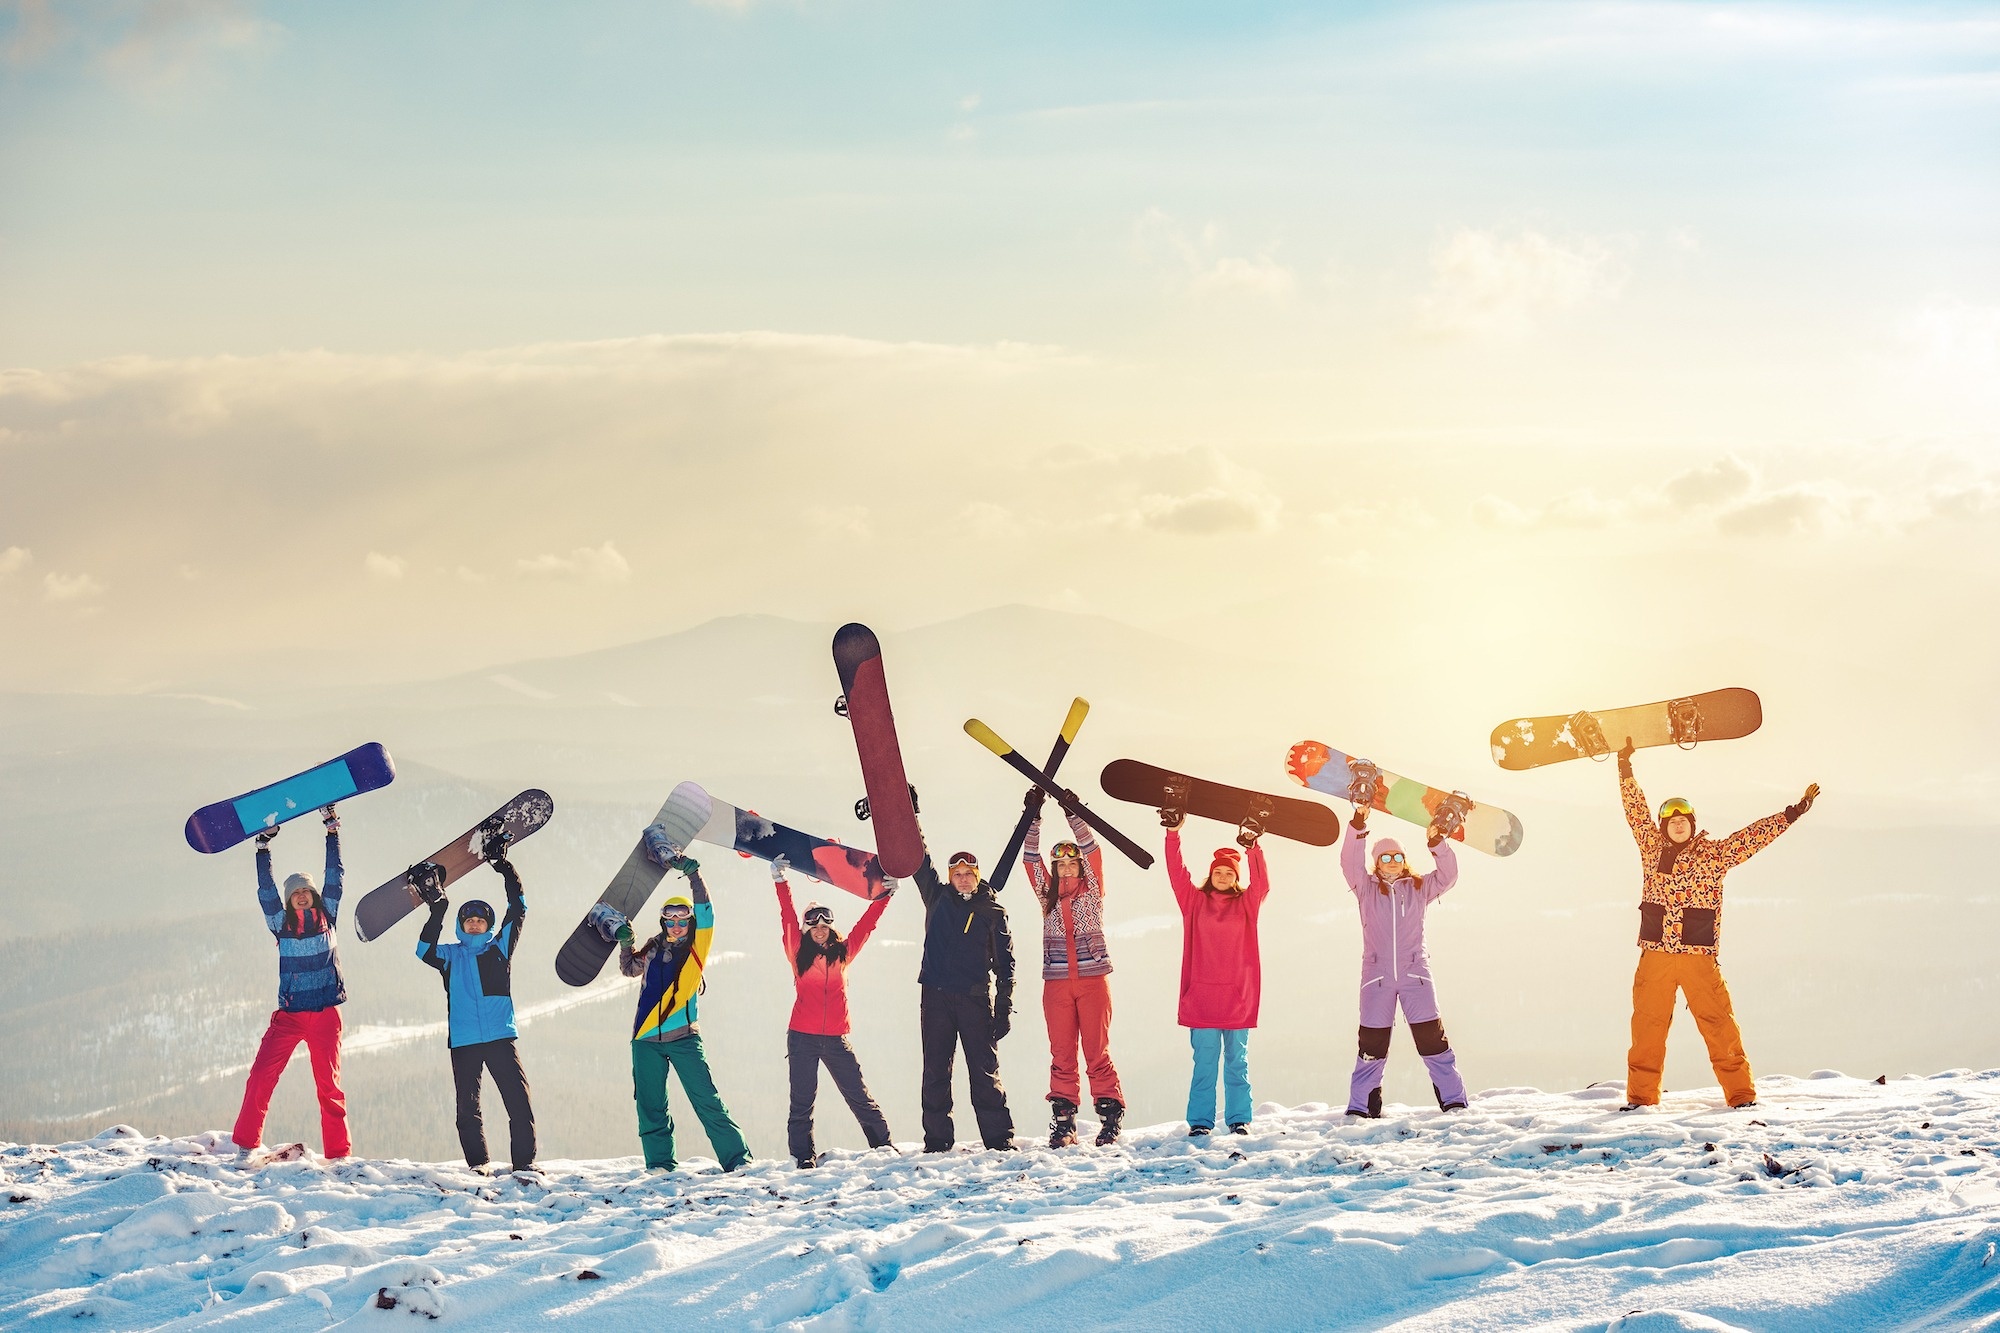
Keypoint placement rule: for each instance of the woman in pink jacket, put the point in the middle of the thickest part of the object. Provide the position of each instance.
(1221, 977)
(1395, 967)
(818, 1031)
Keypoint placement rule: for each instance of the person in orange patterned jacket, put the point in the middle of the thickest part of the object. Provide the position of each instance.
(1680, 920)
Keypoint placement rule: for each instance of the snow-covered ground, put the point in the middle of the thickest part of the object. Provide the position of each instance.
(1835, 1204)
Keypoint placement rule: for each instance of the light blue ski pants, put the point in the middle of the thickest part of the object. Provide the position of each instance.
(1229, 1047)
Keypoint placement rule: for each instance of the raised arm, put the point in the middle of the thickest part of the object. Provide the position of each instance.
(704, 914)
(631, 960)
(1638, 815)
(1354, 854)
(329, 895)
(1260, 877)
(1440, 881)
(1093, 855)
(788, 915)
(929, 886)
(267, 890)
(517, 906)
(1031, 857)
(866, 926)
(427, 938)
(1751, 839)
(1177, 872)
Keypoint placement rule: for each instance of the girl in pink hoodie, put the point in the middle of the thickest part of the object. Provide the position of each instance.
(1221, 977)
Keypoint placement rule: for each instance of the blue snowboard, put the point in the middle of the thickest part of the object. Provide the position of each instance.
(218, 827)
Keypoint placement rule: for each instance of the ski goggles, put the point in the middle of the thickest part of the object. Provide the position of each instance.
(1066, 851)
(819, 916)
(963, 859)
(677, 920)
(1392, 859)
(1675, 805)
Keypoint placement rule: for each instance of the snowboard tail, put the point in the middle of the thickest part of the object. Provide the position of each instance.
(1322, 768)
(899, 841)
(1718, 715)
(748, 833)
(582, 955)
(1143, 784)
(382, 907)
(220, 826)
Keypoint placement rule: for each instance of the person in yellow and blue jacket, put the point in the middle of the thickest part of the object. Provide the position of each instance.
(666, 1032)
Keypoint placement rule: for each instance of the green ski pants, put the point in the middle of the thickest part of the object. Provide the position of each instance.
(650, 1062)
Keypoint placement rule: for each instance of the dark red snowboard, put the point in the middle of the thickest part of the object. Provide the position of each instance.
(899, 842)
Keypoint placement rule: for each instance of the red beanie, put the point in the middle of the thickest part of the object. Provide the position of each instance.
(1226, 856)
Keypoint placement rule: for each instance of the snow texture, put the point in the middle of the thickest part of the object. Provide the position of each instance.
(1836, 1203)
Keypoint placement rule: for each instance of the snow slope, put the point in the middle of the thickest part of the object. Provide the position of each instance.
(1837, 1203)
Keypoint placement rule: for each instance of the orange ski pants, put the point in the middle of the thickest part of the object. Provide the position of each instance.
(1079, 1011)
(1699, 977)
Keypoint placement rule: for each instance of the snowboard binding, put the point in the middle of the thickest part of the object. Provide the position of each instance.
(1252, 827)
(606, 920)
(1684, 722)
(494, 840)
(1449, 818)
(863, 811)
(1364, 782)
(1589, 736)
(840, 705)
(1173, 813)
(426, 881)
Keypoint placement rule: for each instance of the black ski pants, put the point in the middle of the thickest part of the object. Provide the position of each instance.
(504, 1062)
(807, 1051)
(950, 1019)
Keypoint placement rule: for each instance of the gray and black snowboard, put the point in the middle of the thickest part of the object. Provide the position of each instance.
(582, 955)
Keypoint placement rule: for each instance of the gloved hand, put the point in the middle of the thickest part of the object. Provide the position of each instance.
(888, 885)
(264, 837)
(1003, 1023)
(1171, 818)
(424, 878)
(1805, 803)
(330, 819)
(779, 865)
(687, 865)
(1625, 758)
(1359, 822)
(1433, 836)
(494, 846)
(1247, 834)
(1032, 802)
(625, 934)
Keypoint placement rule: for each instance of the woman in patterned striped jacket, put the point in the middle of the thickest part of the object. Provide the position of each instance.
(1076, 978)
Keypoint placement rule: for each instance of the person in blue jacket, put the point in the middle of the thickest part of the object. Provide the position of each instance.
(479, 992)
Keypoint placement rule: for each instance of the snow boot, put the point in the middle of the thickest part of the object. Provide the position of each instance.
(1373, 1111)
(1112, 1114)
(1240, 1127)
(1062, 1122)
(1199, 1131)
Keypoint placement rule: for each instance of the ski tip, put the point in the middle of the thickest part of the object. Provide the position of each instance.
(985, 735)
(1079, 708)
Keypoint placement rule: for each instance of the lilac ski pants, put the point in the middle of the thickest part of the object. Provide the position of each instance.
(1380, 998)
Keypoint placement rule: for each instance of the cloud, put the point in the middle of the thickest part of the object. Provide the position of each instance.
(70, 587)
(1208, 513)
(1955, 337)
(1483, 283)
(137, 41)
(1724, 480)
(585, 564)
(1572, 509)
(850, 521)
(385, 566)
(1195, 268)
(1795, 511)
(14, 559)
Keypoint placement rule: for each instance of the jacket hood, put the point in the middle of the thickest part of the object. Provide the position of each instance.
(477, 942)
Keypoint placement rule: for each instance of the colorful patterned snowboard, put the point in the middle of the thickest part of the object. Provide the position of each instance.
(582, 955)
(1143, 784)
(899, 842)
(750, 834)
(384, 906)
(218, 827)
(1067, 799)
(1072, 724)
(1719, 715)
(1325, 769)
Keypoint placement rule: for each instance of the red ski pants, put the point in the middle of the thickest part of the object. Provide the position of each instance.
(1079, 1011)
(319, 1029)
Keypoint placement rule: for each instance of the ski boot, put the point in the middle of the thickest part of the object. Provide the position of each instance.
(1112, 1114)
(1062, 1122)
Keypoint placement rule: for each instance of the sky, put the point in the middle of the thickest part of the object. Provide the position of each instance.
(324, 329)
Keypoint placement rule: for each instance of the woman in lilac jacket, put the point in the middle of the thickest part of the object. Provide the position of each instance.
(1395, 969)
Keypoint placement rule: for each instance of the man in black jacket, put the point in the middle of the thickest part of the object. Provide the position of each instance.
(965, 941)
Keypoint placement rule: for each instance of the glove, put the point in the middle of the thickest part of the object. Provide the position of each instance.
(1171, 818)
(423, 877)
(1247, 834)
(687, 865)
(1032, 803)
(1805, 803)
(494, 846)
(779, 865)
(1625, 758)
(1433, 836)
(1359, 823)
(888, 885)
(264, 839)
(625, 934)
(1003, 1023)
(330, 819)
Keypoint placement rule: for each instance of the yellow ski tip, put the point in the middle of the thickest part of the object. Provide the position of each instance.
(982, 733)
(1079, 708)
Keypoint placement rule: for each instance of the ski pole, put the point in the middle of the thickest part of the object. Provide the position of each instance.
(1078, 708)
(986, 736)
